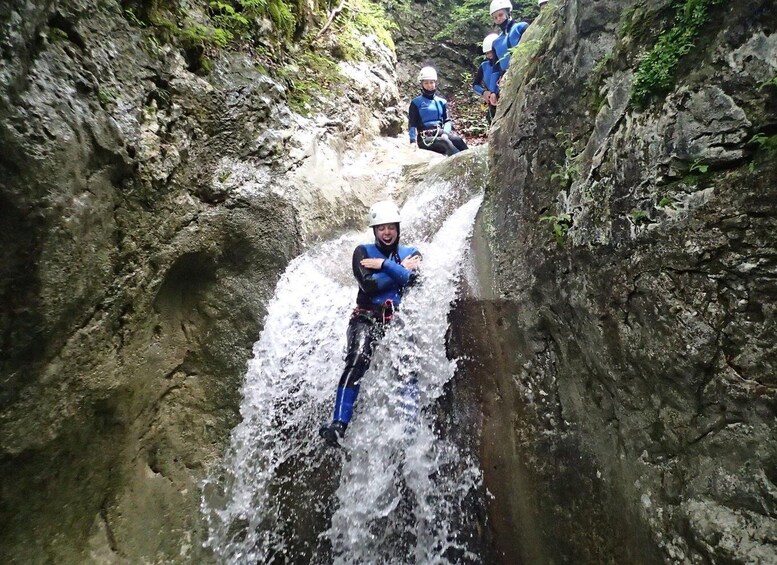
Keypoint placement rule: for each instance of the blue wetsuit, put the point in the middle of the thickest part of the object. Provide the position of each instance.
(485, 79)
(380, 293)
(430, 126)
(509, 38)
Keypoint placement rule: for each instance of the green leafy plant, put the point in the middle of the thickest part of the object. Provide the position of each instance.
(132, 18)
(371, 17)
(764, 142)
(278, 11)
(768, 83)
(765, 145)
(656, 72)
(559, 225)
(225, 16)
(640, 217)
(627, 21)
(568, 171)
(666, 202)
(698, 167)
(321, 75)
(201, 36)
(57, 34)
(106, 96)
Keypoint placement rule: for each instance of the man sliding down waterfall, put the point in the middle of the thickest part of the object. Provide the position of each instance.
(383, 270)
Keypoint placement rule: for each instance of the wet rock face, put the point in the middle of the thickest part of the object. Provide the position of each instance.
(147, 213)
(416, 46)
(631, 252)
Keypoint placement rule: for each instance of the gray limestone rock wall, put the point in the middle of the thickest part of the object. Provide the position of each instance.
(418, 22)
(628, 263)
(147, 213)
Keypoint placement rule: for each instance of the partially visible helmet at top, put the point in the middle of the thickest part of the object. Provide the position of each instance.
(541, 2)
(497, 5)
(488, 42)
(384, 212)
(427, 73)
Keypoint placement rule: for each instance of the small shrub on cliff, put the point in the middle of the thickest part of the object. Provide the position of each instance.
(568, 171)
(640, 218)
(666, 202)
(560, 225)
(656, 72)
(769, 83)
(355, 20)
(371, 17)
(764, 142)
(197, 35)
(281, 13)
(321, 75)
(765, 147)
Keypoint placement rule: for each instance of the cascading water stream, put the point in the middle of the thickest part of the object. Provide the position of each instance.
(396, 492)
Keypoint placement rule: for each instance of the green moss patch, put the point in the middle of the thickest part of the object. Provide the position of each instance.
(657, 71)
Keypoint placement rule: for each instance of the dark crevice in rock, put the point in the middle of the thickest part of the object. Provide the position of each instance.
(105, 517)
(67, 26)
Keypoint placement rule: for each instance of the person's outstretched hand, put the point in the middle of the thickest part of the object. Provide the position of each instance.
(412, 263)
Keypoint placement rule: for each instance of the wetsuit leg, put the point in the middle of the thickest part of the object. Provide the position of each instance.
(458, 142)
(438, 146)
(490, 114)
(363, 336)
(442, 144)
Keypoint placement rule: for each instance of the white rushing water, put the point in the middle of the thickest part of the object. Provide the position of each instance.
(398, 491)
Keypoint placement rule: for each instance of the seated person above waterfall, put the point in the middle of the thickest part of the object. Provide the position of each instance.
(383, 270)
(428, 120)
(501, 14)
(485, 79)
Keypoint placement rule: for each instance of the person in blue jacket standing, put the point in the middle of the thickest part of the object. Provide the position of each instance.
(428, 121)
(485, 79)
(501, 14)
(383, 271)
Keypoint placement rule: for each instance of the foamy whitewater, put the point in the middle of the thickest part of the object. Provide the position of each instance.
(395, 492)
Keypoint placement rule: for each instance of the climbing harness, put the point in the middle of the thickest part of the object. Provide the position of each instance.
(387, 311)
(383, 313)
(428, 134)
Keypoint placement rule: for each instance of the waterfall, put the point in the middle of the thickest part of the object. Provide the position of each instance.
(397, 491)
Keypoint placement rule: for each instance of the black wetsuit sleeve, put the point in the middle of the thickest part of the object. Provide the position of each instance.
(369, 280)
(414, 118)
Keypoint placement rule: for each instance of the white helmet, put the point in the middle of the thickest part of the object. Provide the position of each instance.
(385, 212)
(497, 5)
(488, 42)
(541, 2)
(427, 73)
